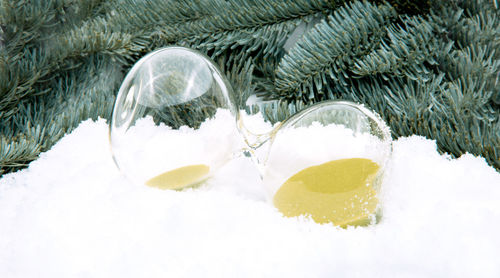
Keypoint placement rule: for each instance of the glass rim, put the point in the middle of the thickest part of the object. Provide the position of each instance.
(340, 103)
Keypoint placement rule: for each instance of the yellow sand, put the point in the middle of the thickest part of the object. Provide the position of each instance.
(181, 177)
(339, 191)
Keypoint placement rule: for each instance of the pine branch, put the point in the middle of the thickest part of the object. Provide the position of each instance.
(329, 50)
(42, 121)
(411, 51)
(435, 74)
(417, 77)
(32, 55)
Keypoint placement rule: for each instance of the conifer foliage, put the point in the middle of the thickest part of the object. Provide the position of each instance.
(428, 69)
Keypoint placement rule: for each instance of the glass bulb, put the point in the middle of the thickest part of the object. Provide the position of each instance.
(328, 162)
(174, 120)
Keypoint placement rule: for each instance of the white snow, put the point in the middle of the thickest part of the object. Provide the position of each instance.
(146, 150)
(72, 214)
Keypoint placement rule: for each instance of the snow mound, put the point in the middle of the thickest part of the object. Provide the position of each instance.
(71, 214)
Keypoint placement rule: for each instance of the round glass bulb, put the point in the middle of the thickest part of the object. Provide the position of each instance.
(174, 120)
(328, 162)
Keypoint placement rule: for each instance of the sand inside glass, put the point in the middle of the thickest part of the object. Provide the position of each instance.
(181, 177)
(329, 173)
(339, 191)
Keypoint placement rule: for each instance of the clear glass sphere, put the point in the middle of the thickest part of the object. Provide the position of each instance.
(174, 120)
(328, 162)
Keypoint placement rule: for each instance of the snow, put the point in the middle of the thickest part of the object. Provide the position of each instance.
(145, 150)
(72, 214)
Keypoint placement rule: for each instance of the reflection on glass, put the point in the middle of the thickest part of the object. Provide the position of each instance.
(162, 128)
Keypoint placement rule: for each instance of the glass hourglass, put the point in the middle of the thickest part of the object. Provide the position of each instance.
(174, 120)
(175, 123)
(327, 162)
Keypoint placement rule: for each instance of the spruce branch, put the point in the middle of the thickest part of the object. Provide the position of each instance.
(431, 70)
(329, 50)
(411, 51)
(418, 78)
(42, 121)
